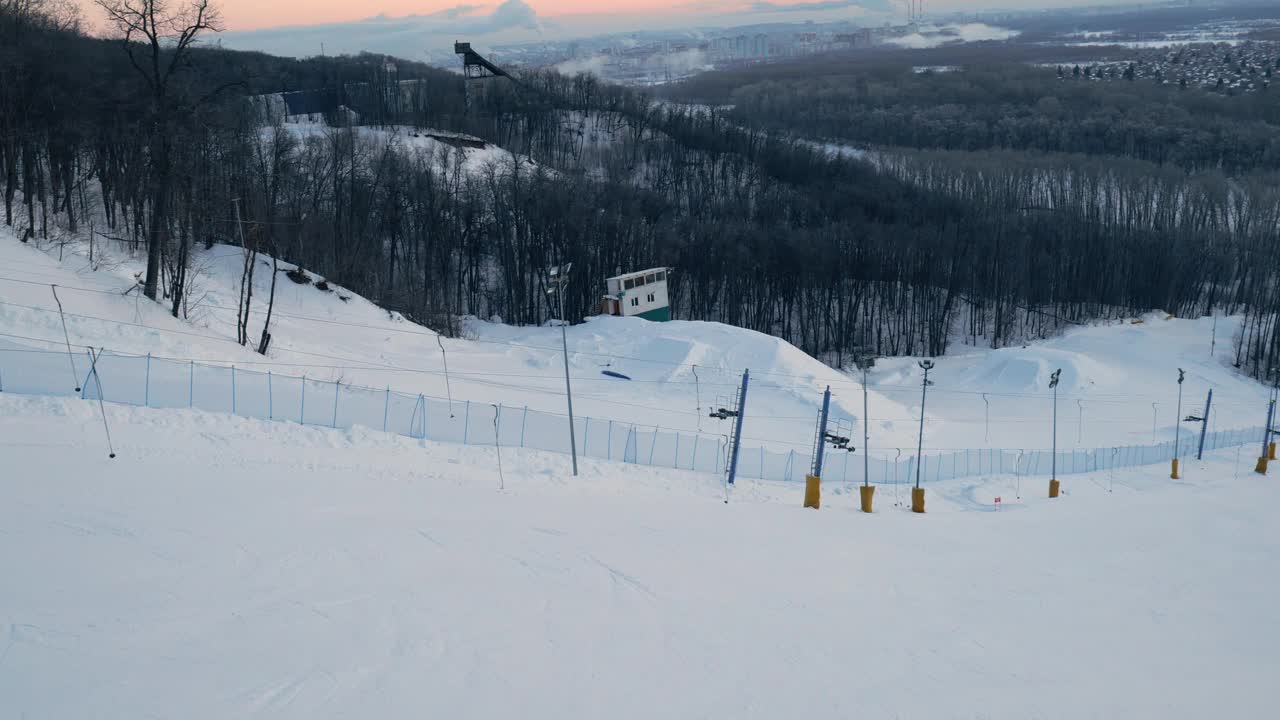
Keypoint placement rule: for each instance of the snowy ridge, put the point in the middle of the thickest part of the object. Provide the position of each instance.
(981, 400)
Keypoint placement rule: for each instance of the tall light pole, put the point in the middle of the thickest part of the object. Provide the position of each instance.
(1054, 485)
(1177, 425)
(917, 494)
(865, 363)
(557, 279)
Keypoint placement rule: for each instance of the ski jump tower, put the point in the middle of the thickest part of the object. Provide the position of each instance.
(476, 67)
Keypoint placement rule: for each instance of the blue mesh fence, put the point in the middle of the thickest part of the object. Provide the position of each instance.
(161, 383)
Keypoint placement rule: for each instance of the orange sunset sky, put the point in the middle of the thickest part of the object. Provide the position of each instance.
(256, 14)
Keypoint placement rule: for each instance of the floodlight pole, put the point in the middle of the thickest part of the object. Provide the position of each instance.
(559, 281)
(1177, 427)
(866, 437)
(927, 365)
(1053, 472)
(1054, 486)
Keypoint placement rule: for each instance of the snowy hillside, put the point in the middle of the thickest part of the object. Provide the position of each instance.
(680, 371)
(237, 563)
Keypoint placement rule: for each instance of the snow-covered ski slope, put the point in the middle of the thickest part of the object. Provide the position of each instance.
(224, 566)
(1118, 382)
(227, 567)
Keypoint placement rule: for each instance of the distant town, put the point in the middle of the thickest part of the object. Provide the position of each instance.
(651, 58)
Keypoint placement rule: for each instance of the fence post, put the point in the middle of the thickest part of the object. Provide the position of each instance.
(191, 386)
(386, 409)
(302, 411)
(586, 435)
(609, 443)
(693, 462)
(271, 398)
(675, 462)
(233, 389)
(337, 386)
(426, 428)
(653, 445)
(466, 424)
(497, 425)
(146, 392)
(523, 420)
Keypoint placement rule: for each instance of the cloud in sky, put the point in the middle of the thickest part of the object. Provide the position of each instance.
(509, 22)
(409, 36)
(935, 36)
(821, 5)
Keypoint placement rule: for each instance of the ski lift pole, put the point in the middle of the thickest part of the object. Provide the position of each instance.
(813, 483)
(737, 427)
(1204, 424)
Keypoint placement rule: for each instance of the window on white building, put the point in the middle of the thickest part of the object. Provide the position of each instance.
(635, 302)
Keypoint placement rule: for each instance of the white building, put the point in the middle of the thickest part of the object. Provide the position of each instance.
(638, 294)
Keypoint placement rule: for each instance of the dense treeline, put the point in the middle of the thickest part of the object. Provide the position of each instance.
(904, 255)
(1004, 106)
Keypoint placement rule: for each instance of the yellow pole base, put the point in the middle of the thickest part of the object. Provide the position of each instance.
(1271, 451)
(917, 500)
(1261, 467)
(1174, 474)
(868, 492)
(812, 493)
(1054, 487)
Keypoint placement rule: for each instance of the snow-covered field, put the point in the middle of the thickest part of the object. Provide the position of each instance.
(222, 566)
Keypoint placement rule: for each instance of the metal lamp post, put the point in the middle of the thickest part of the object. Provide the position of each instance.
(1177, 426)
(865, 363)
(557, 279)
(1054, 485)
(917, 494)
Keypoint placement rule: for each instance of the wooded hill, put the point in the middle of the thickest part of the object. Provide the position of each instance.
(898, 256)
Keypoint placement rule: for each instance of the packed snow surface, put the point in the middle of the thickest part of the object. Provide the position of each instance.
(222, 567)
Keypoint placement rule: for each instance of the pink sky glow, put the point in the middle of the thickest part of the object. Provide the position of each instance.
(255, 14)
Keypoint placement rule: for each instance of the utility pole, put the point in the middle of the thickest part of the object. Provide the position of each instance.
(1177, 426)
(557, 279)
(917, 494)
(1054, 485)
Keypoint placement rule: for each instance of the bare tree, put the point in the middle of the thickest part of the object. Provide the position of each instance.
(157, 36)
